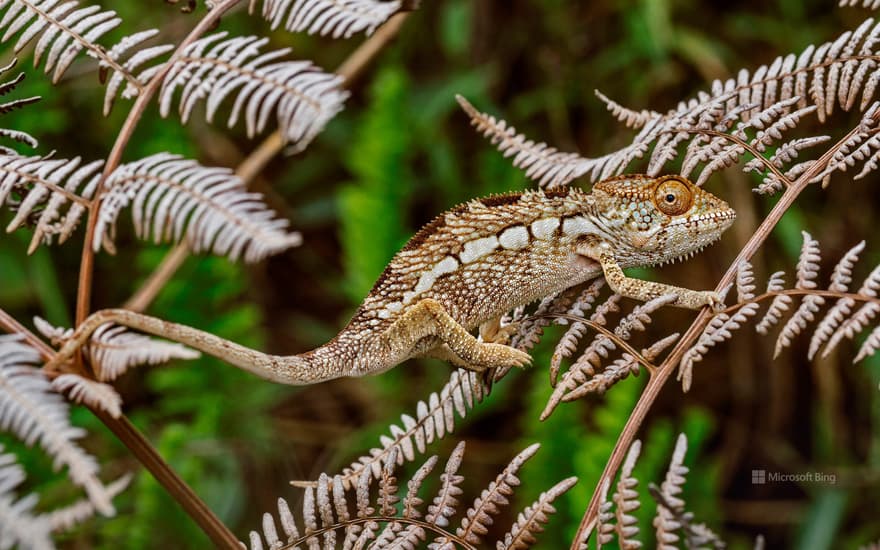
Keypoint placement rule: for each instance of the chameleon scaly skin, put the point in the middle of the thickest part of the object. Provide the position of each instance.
(474, 263)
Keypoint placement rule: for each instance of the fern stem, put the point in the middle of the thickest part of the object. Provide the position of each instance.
(659, 377)
(146, 454)
(87, 262)
(623, 344)
(12, 326)
(802, 292)
(459, 541)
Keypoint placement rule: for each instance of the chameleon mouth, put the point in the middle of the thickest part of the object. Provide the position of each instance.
(687, 255)
(713, 218)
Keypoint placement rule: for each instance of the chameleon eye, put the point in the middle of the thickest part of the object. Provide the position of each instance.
(673, 197)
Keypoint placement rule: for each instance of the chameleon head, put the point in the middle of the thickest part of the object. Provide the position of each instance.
(658, 220)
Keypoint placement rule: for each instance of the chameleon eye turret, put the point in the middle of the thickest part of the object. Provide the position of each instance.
(673, 195)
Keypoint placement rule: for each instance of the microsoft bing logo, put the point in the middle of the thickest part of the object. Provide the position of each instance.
(759, 477)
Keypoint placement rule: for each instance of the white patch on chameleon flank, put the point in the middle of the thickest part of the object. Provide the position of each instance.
(476, 249)
(426, 281)
(444, 266)
(577, 225)
(514, 238)
(543, 229)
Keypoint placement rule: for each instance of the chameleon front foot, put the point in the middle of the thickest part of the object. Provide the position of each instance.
(707, 298)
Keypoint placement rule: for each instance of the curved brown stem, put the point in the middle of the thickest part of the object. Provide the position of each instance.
(603, 330)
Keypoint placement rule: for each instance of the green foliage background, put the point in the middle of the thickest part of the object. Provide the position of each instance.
(401, 153)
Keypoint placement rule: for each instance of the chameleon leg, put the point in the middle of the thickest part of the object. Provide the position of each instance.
(429, 318)
(492, 331)
(645, 290)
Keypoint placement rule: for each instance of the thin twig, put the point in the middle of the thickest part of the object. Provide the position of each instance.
(623, 344)
(738, 141)
(429, 527)
(87, 262)
(349, 70)
(802, 292)
(662, 374)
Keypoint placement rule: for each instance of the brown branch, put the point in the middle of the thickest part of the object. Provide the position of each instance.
(662, 374)
(349, 70)
(147, 455)
(12, 326)
(87, 262)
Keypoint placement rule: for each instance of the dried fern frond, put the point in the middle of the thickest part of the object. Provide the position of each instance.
(39, 189)
(445, 502)
(531, 520)
(722, 325)
(64, 30)
(125, 61)
(19, 525)
(36, 414)
(213, 68)
(626, 500)
(478, 517)
(568, 344)
(175, 199)
(604, 523)
(671, 522)
(91, 392)
(672, 517)
(113, 349)
(842, 320)
(619, 369)
(869, 4)
(402, 528)
(64, 519)
(337, 18)
(586, 374)
(665, 521)
(432, 421)
(550, 167)
(759, 106)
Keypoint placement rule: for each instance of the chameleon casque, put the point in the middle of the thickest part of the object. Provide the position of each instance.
(479, 260)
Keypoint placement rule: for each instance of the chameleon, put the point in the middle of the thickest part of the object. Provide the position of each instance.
(479, 260)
